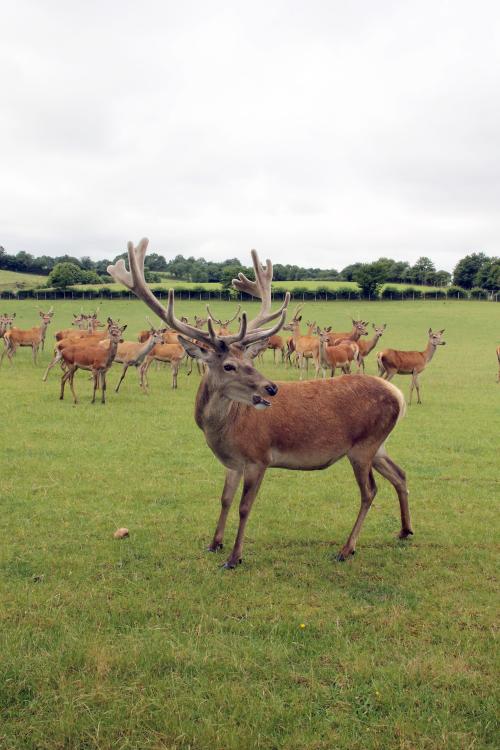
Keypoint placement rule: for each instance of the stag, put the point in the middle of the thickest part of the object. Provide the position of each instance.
(252, 424)
(392, 362)
(223, 329)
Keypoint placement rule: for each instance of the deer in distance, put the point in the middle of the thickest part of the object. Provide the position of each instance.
(6, 322)
(358, 329)
(252, 424)
(223, 324)
(82, 354)
(132, 353)
(305, 347)
(340, 355)
(33, 337)
(392, 362)
(172, 354)
(365, 347)
(498, 357)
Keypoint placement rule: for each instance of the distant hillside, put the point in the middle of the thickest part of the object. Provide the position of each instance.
(15, 280)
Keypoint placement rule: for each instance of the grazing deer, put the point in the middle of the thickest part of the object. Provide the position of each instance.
(305, 347)
(392, 361)
(341, 355)
(32, 337)
(277, 344)
(305, 425)
(223, 324)
(89, 355)
(365, 347)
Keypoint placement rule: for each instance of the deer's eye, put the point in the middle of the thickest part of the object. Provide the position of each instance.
(228, 368)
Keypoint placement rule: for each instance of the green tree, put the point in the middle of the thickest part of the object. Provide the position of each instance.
(467, 268)
(64, 275)
(370, 277)
(423, 269)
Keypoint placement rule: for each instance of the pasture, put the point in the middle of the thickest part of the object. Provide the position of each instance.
(146, 643)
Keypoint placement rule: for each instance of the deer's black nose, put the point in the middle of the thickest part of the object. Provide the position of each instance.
(272, 389)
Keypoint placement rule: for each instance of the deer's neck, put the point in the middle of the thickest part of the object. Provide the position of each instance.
(429, 351)
(372, 343)
(112, 349)
(144, 351)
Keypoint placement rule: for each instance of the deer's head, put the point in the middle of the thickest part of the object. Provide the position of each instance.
(360, 326)
(436, 337)
(230, 373)
(379, 330)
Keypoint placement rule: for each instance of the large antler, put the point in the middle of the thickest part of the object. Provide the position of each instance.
(260, 288)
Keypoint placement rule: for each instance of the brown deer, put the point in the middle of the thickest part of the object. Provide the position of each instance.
(365, 347)
(173, 354)
(32, 337)
(90, 355)
(341, 355)
(6, 321)
(252, 424)
(392, 361)
(223, 329)
(277, 344)
(133, 354)
(305, 347)
(358, 329)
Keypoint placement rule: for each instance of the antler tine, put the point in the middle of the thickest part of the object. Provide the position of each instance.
(258, 334)
(260, 288)
(237, 337)
(135, 281)
(211, 317)
(184, 328)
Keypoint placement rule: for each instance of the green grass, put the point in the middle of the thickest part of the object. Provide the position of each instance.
(146, 644)
(15, 280)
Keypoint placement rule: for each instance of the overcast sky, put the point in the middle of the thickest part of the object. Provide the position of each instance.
(321, 133)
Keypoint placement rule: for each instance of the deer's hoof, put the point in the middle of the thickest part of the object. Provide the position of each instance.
(343, 556)
(405, 533)
(215, 547)
(229, 565)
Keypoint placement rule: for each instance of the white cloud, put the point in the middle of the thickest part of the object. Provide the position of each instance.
(320, 133)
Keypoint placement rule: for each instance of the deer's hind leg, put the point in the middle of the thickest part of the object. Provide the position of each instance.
(396, 476)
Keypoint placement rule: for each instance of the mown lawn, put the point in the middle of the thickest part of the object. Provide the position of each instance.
(147, 643)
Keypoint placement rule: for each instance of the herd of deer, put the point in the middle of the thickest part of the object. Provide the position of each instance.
(248, 432)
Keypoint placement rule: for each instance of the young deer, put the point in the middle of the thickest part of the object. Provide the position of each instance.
(32, 337)
(305, 425)
(89, 355)
(223, 324)
(365, 347)
(392, 361)
(340, 355)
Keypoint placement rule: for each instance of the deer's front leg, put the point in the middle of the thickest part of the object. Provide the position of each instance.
(231, 484)
(252, 479)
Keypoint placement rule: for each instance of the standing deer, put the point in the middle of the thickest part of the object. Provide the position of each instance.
(32, 337)
(305, 347)
(306, 425)
(341, 355)
(365, 347)
(132, 354)
(173, 354)
(392, 361)
(6, 321)
(276, 343)
(223, 324)
(358, 329)
(89, 355)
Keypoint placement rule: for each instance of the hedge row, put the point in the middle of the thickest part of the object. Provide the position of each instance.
(298, 293)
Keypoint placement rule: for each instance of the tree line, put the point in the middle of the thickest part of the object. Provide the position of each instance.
(474, 270)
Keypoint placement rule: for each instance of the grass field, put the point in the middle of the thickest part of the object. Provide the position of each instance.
(146, 643)
(14, 280)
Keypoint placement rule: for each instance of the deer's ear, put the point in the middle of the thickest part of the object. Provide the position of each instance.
(442, 330)
(195, 351)
(430, 331)
(123, 327)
